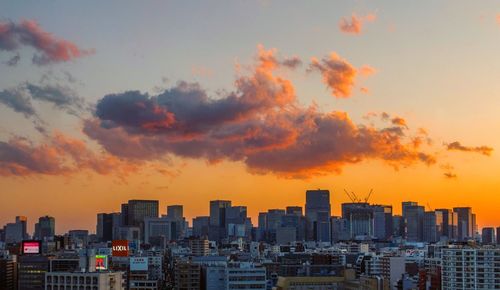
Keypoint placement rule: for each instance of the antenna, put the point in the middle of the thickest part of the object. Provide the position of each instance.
(368, 196)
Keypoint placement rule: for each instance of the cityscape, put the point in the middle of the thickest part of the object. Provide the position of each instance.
(249, 144)
(298, 247)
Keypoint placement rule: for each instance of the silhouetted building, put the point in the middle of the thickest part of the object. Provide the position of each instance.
(16, 232)
(32, 271)
(465, 223)
(359, 217)
(8, 273)
(107, 226)
(450, 220)
(201, 226)
(218, 208)
(414, 217)
(488, 236)
(45, 229)
(318, 213)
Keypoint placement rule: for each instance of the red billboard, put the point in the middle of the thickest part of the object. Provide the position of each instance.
(120, 248)
(31, 247)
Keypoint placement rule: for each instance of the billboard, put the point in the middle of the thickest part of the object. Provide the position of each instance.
(31, 247)
(120, 248)
(138, 263)
(101, 262)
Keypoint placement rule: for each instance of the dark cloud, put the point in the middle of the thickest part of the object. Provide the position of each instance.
(18, 101)
(260, 123)
(485, 150)
(49, 49)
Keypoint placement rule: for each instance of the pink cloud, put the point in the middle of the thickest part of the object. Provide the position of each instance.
(354, 25)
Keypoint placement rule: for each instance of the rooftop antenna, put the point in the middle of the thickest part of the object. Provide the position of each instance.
(368, 196)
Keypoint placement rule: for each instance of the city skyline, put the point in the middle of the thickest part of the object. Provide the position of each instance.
(166, 101)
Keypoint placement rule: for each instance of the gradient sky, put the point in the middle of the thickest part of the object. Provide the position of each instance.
(426, 64)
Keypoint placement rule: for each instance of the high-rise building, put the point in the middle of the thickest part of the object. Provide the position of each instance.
(199, 247)
(137, 210)
(449, 223)
(262, 227)
(31, 272)
(398, 226)
(107, 226)
(295, 210)
(404, 207)
(218, 208)
(432, 226)
(163, 227)
(359, 217)
(318, 214)
(488, 236)
(201, 226)
(45, 229)
(414, 218)
(464, 223)
(175, 212)
(8, 273)
(273, 222)
(16, 232)
(498, 235)
(187, 276)
(470, 268)
(382, 222)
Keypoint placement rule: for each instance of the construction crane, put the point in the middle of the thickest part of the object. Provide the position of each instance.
(355, 199)
(368, 196)
(429, 207)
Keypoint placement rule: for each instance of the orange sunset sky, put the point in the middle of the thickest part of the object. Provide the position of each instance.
(251, 101)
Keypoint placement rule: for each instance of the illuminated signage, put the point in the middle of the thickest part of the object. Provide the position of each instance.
(31, 247)
(120, 248)
(101, 262)
(138, 263)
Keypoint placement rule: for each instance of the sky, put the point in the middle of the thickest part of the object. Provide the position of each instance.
(252, 101)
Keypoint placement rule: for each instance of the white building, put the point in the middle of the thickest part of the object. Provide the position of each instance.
(471, 268)
(82, 280)
(245, 276)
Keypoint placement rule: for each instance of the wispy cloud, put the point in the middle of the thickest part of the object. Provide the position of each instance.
(354, 24)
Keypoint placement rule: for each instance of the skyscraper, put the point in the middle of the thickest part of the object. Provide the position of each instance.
(465, 223)
(404, 207)
(432, 226)
(295, 210)
(382, 221)
(449, 223)
(16, 232)
(359, 218)
(218, 219)
(136, 210)
(45, 228)
(107, 226)
(414, 217)
(488, 236)
(175, 212)
(318, 214)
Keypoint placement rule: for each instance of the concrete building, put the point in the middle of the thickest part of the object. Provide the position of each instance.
(107, 226)
(245, 275)
(31, 272)
(382, 222)
(488, 236)
(470, 268)
(8, 273)
(359, 217)
(199, 247)
(217, 230)
(155, 227)
(414, 219)
(432, 226)
(318, 213)
(465, 226)
(450, 227)
(45, 229)
(84, 280)
(17, 231)
(201, 226)
(187, 276)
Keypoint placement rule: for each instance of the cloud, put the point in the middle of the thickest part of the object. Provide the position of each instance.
(457, 146)
(259, 123)
(338, 74)
(49, 49)
(18, 101)
(450, 175)
(58, 155)
(354, 25)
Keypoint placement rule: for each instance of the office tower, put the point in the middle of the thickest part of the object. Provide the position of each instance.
(340, 229)
(449, 223)
(200, 226)
(124, 214)
(398, 226)
(107, 226)
(175, 212)
(318, 213)
(488, 236)
(470, 268)
(273, 222)
(475, 231)
(31, 272)
(359, 217)
(218, 219)
(404, 206)
(136, 211)
(262, 227)
(163, 227)
(236, 222)
(432, 226)
(245, 275)
(295, 210)
(414, 217)
(45, 228)
(498, 235)
(382, 222)
(8, 273)
(464, 223)
(79, 238)
(83, 280)
(16, 232)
